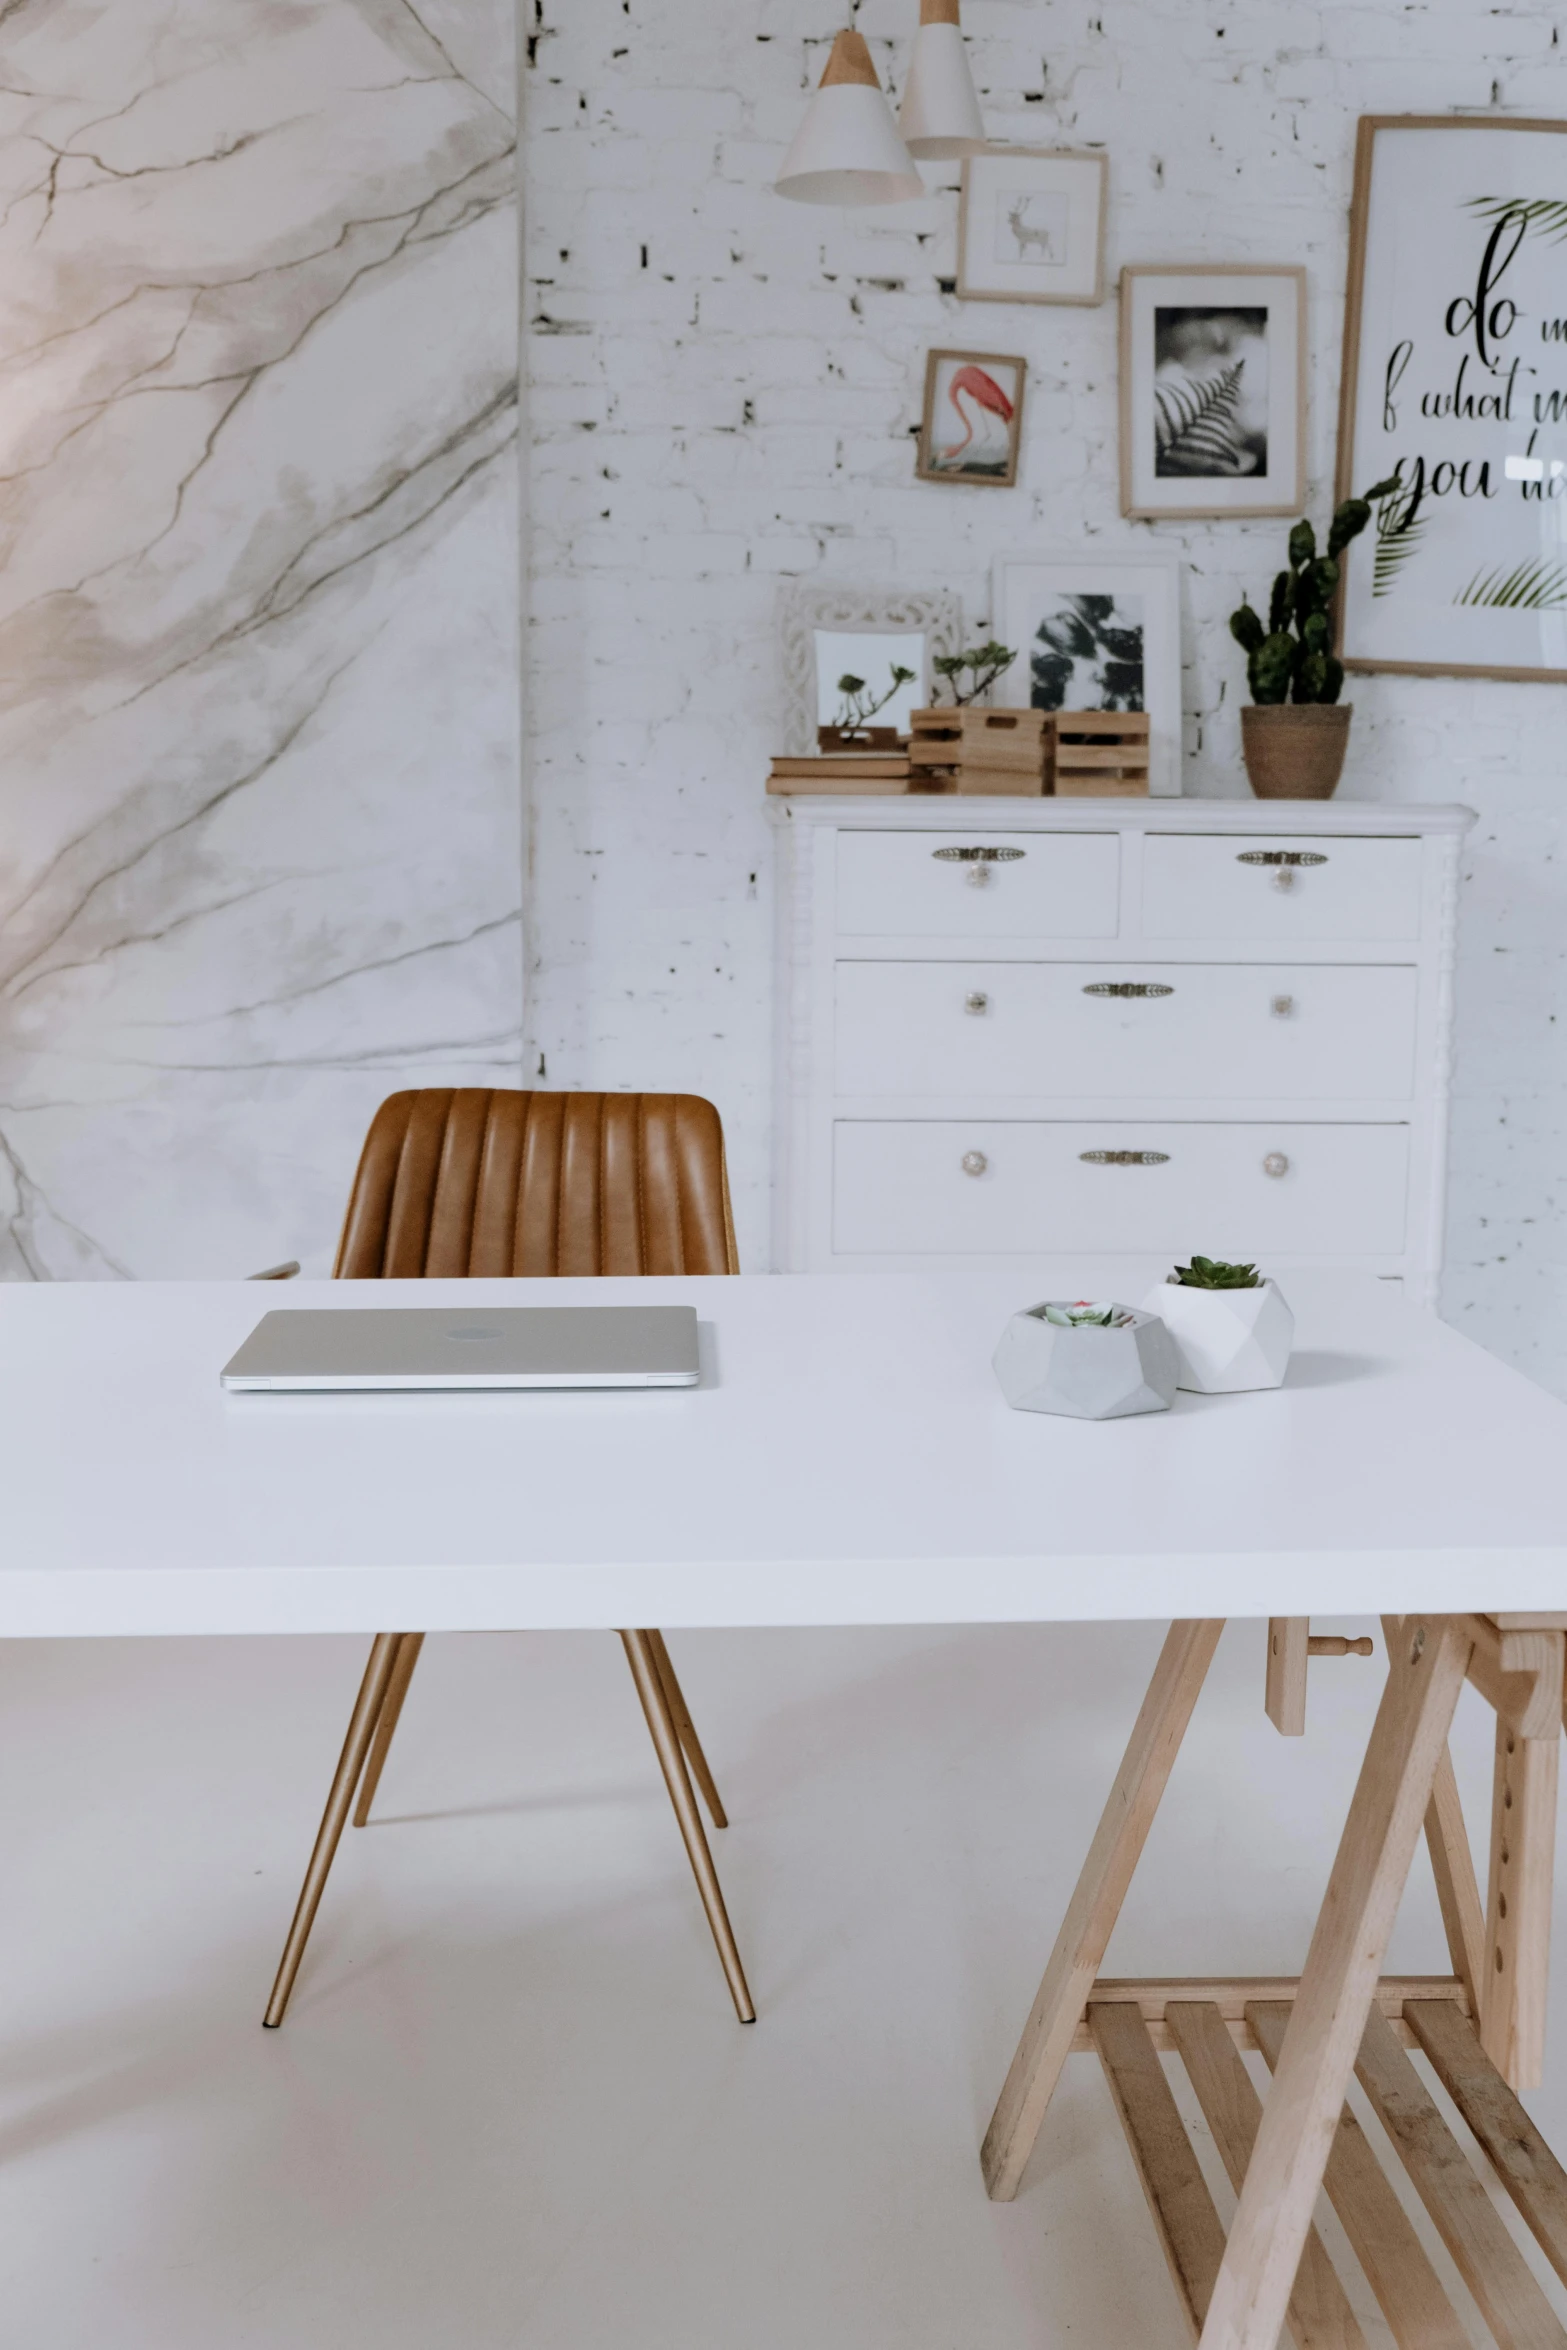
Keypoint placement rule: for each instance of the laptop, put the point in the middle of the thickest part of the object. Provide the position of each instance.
(402, 1347)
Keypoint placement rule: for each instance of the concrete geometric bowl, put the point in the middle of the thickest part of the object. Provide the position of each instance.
(1110, 1362)
(1227, 1340)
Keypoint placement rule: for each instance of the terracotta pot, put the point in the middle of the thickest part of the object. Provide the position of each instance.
(1295, 750)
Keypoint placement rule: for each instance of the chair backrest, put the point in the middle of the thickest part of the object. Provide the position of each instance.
(474, 1180)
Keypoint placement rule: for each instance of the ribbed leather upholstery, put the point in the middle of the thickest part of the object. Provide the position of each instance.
(481, 1181)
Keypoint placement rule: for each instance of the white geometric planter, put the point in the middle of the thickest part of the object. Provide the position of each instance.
(1226, 1340)
(1087, 1372)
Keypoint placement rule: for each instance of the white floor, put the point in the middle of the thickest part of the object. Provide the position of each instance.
(511, 2105)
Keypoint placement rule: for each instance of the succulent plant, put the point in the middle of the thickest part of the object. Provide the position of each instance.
(1211, 1273)
(1293, 657)
(1084, 1316)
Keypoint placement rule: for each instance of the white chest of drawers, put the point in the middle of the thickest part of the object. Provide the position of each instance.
(1095, 1037)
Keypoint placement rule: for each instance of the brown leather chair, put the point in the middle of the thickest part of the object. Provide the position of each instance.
(484, 1183)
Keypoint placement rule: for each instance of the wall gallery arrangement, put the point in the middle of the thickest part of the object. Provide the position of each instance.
(1453, 406)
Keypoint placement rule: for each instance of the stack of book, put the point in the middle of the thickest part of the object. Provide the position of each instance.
(842, 772)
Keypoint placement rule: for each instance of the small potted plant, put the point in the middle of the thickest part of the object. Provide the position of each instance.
(1231, 1327)
(957, 747)
(1295, 733)
(1086, 1361)
(852, 730)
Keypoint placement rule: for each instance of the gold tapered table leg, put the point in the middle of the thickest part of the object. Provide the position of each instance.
(642, 1658)
(408, 1648)
(686, 1728)
(361, 1728)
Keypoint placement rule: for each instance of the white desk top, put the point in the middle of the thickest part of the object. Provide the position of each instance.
(848, 1460)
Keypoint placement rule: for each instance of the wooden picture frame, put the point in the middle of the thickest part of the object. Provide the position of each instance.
(1474, 522)
(1047, 197)
(1197, 443)
(992, 383)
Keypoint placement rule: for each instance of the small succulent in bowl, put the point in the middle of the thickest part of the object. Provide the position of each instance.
(1083, 1316)
(1231, 1326)
(1213, 1273)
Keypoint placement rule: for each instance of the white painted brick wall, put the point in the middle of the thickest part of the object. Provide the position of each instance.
(723, 392)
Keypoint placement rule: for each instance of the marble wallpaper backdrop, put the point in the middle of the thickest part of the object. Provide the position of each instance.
(259, 807)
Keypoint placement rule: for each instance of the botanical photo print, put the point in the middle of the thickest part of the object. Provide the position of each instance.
(973, 418)
(1096, 633)
(1210, 392)
(1212, 401)
(1087, 654)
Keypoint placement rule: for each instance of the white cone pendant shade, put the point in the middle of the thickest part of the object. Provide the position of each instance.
(847, 150)
(940, 114)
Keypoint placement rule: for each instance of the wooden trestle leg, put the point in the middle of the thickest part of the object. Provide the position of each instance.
(1101, 1888)
(1274, 2214)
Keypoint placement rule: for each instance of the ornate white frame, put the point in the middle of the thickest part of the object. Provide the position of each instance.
(803, 610)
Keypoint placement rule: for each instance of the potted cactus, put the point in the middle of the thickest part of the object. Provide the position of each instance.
(1086, 1361)
(1231, 1326)
(1296, 730)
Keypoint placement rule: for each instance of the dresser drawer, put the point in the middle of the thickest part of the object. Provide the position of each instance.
(1212, 1032)
(980, 884)
(1201, 885)
(989, 1187)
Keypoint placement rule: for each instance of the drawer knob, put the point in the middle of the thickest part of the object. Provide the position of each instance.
(1284, 878)
(976, 1001)
(974, 1162)
(1275, 1164)
(1284, 1007)
(977, 876)
(1124, 1158)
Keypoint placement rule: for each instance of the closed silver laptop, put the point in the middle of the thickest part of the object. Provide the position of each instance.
(398, 1347)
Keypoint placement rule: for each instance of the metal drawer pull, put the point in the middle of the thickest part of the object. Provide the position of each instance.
(1124, 1158)
(1283, 1007)
(1275, 1164)
(1286, 857)
(1127, 987)
(978, 856)
(974, 1162)
(978, 1001)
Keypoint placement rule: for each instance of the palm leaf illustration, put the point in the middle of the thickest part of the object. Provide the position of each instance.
(1528, 587)
(1399, 531)
(1546, 215)
(1194, 424)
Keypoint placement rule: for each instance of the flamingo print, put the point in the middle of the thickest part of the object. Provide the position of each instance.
(989, 398)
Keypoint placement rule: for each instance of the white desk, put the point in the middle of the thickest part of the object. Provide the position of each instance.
(849, 1460)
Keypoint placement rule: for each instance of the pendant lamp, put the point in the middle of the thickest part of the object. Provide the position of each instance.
(940, 114)
(847, 150)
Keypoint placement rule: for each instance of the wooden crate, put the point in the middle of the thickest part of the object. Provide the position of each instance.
(1099, 754)
(980, 750)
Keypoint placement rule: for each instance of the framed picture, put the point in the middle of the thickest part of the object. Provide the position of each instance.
(828, 630)
(1031, 226)
(973, 420)
(1096, 632)
(1455, 385)
(1213, 391)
